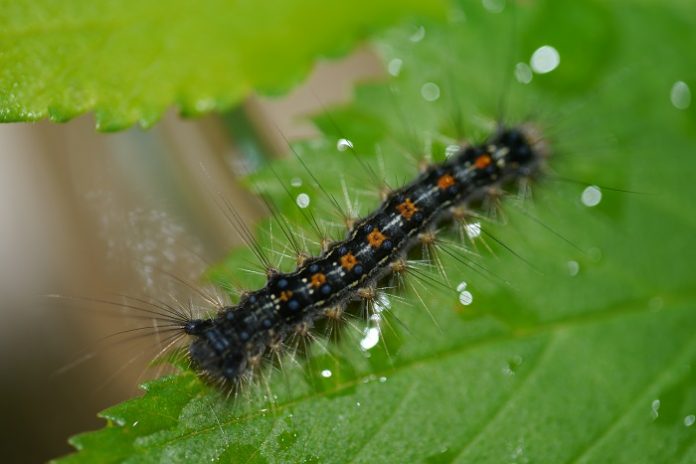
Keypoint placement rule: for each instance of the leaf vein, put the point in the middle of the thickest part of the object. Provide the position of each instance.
(505, 404)
(682, 356)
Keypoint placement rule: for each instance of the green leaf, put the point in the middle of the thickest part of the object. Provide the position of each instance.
(578, 347)
(128, 61)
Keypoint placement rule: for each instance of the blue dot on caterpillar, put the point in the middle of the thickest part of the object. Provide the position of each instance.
(230, 346)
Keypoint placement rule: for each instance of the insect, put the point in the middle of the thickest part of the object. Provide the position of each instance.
(233, 344)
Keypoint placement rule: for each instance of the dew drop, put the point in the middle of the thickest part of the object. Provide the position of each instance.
(655, 409)
(573, 268)
(302, 200)
(326, 373)
(523, 73)
(680, 95)
(296, 182)
(430, 91)
(418, 35)
(381, 303)
(370, 338)
(689, 420)
(394, 66)
(473, 230)
(466, 298)
(591, 196)
(344, 144)
(545, 59)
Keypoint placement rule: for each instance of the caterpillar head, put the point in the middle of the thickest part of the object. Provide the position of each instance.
(522, 147)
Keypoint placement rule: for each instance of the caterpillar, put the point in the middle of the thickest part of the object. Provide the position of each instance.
(230, 346)
(233, 345)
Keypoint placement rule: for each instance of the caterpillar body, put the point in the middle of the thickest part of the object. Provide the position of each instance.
(230, 346)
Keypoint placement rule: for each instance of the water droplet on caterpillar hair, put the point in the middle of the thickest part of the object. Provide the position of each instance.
(545, 59)
(680, 95)
(465, 296)
(473, 230)
(381, 302)
(430, 91)
(452, 150)
(370, 338)
(591, 196)
(344, 144)
(302, 200)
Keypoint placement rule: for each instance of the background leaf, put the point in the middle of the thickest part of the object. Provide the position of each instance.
(578, 352)
(130, 60)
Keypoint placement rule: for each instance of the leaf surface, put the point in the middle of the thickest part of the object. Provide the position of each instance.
(128, 61)
(579, 344)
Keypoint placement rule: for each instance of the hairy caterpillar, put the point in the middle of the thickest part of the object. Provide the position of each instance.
(231, 345)
(234, 344)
